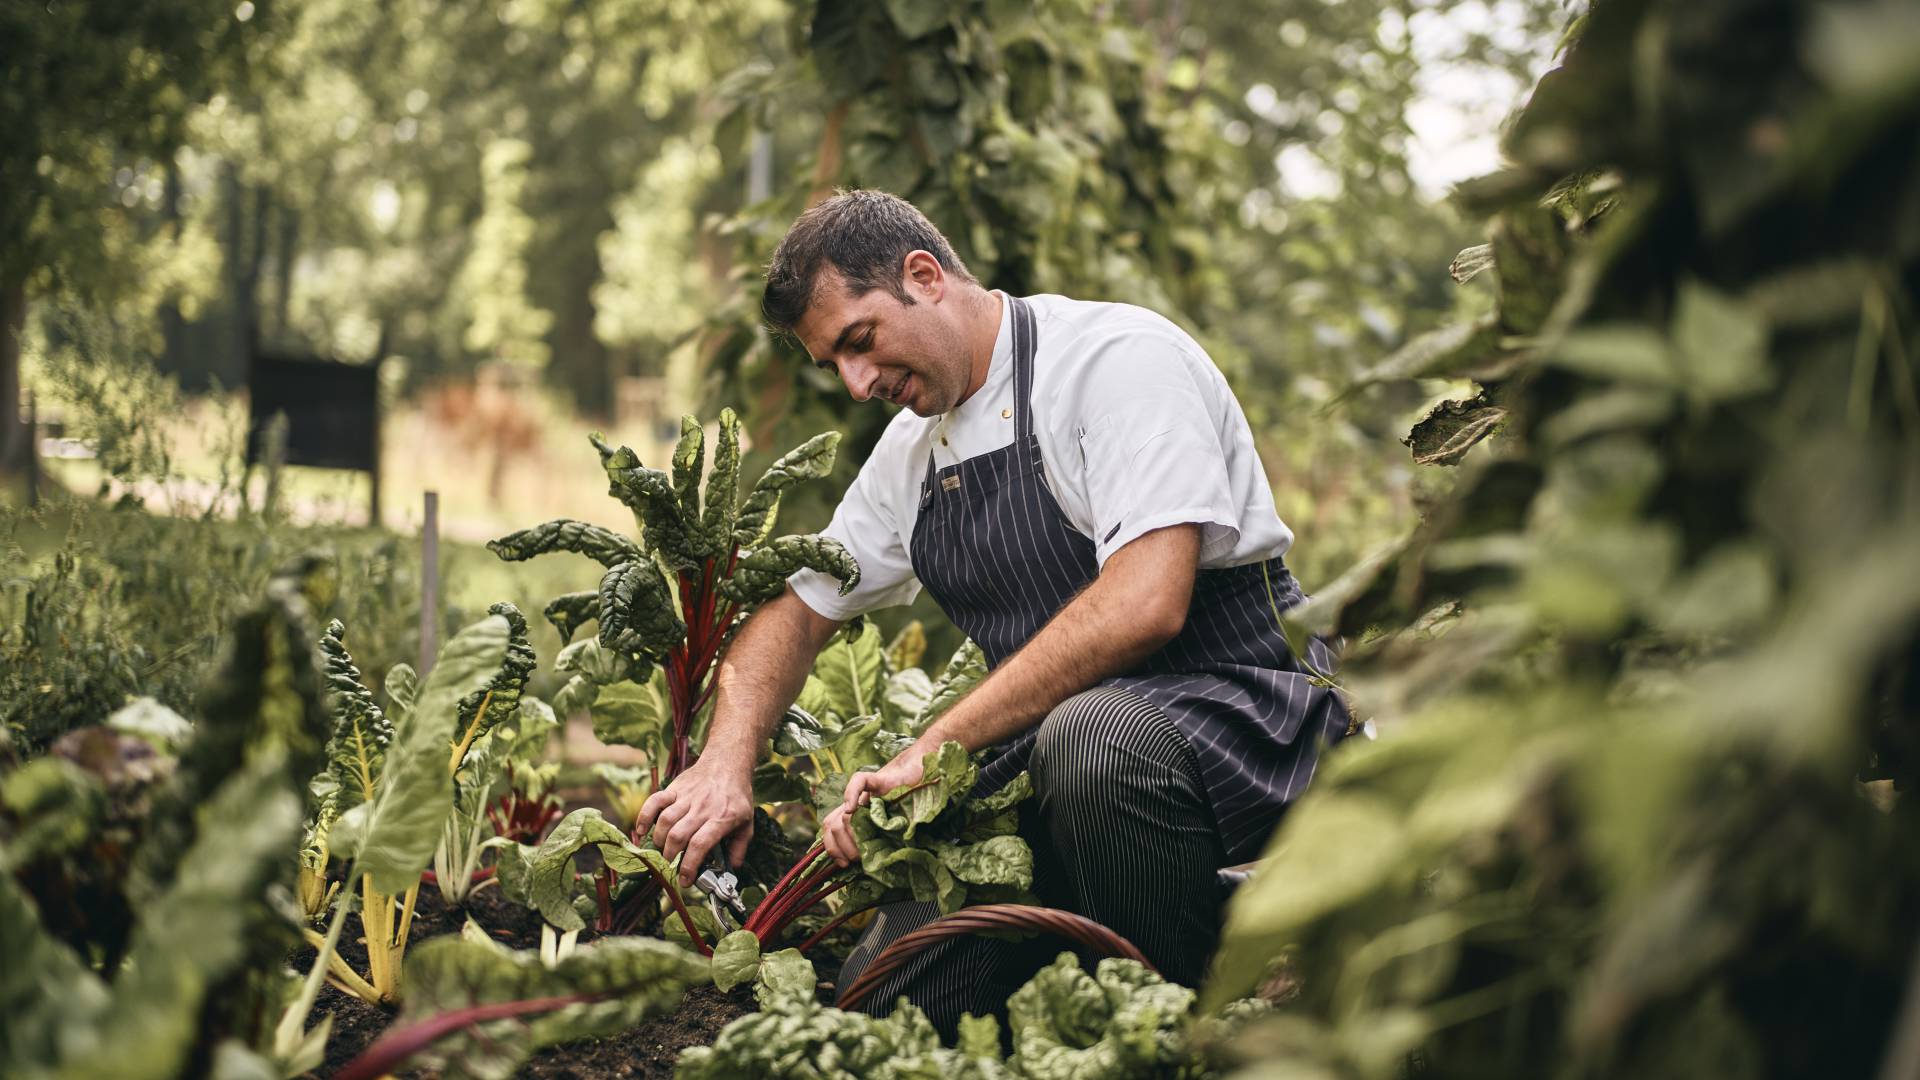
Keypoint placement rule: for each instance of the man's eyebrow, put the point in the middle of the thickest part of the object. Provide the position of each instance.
(841, 341)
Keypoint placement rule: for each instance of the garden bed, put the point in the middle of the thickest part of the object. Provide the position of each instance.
(648, 1050)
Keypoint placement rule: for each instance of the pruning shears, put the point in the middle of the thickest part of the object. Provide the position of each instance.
(721, 887)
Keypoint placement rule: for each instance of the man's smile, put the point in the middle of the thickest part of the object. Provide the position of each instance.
(899, 387)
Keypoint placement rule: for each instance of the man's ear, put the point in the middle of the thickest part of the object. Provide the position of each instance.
(923, 276)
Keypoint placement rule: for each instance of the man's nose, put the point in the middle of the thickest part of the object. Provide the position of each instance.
(860, 378)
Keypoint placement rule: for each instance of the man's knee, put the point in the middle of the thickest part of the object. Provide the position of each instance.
(1095, 739)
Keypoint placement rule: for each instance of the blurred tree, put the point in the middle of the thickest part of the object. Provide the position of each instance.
(94, 97)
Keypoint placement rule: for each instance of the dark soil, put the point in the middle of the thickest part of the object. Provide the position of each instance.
(648, 1050)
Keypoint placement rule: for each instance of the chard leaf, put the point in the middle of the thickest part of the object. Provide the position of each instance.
(570, 611)
(602, 545)
(930, 842)
(723, 484)
(689, 456)
(403, 687)
(630, 714)
(1121, 1021)
(736, 959)
(500, 697)
(963, 672)
(601, 666)
(772, 783)
(614, 983)
(650, 494)
(785, 976)
(415, 793)
(637, 612)
(907, 693)
(763, 572)
(851, 673)
(811, 460)
(801, 734)
(907, 648)
(549, 867)
(357, 749)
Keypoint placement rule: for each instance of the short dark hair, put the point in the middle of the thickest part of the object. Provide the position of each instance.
(862, 234)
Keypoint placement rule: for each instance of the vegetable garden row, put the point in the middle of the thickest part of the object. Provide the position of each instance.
(1644, 677)
(435, 793)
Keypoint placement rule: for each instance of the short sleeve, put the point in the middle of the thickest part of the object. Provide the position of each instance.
(867, 522)
(1149, 418)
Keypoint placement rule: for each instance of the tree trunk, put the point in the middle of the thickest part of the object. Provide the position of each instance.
(287, 242)
(13, 323)
(173, 326)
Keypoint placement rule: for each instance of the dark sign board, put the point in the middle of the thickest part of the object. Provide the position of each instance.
(333, 411)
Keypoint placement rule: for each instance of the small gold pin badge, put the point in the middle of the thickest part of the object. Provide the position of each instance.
(950, 483)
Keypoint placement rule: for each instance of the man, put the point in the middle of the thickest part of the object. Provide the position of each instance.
(1078, 488)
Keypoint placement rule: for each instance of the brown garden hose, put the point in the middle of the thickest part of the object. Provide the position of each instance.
(1066, 924)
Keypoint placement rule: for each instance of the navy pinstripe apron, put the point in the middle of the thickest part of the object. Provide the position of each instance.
(1000, 558)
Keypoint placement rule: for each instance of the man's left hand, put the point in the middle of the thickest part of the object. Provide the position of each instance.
(836, 829)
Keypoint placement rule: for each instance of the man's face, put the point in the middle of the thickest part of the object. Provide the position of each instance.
(910, 354)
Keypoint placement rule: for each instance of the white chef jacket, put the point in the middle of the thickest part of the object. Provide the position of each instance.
(1138, 430)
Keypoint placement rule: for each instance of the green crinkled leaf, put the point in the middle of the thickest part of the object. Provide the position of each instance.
(501, 696)
(963, 672)
(403, 687)
(772, 783)
(603, 545)
(851, 673)
(907, 648)
(49, 997)
(571, 611)
(415, 792)
(723, 484)
(619, 981)
(357, 748)
(784, 976)
(934, 844)
(637, 611)
(602, 666)
(632, 714)
(762, 573)
(801, 734)
(906, 694)
(1121, 1021)
(802, 1038)
(689, 458)
(998, 860)
(811, 460)
(650, 494)
(550, 872)
(736, 959)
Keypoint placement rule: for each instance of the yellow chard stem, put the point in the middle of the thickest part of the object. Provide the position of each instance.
(472, 733)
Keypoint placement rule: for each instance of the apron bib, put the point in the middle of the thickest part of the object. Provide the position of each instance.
(1000, 558)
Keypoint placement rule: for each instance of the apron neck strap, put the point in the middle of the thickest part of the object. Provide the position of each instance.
(1024, 340)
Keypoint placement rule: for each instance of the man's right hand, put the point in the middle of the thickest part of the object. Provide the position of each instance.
(709, 803)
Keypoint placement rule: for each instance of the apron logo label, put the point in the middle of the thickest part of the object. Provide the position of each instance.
(950, 483)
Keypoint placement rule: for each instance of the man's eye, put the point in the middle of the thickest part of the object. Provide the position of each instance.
(865, 342)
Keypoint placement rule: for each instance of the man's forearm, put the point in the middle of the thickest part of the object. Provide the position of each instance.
(762, 673)
(1135, 606)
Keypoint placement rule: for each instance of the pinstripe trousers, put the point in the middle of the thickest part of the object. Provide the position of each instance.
(1122, 832)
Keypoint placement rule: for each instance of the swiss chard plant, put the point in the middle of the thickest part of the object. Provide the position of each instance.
(668, 604)
(1122, 1021)
(929, 841)
(476, 1009)
(406, 791)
